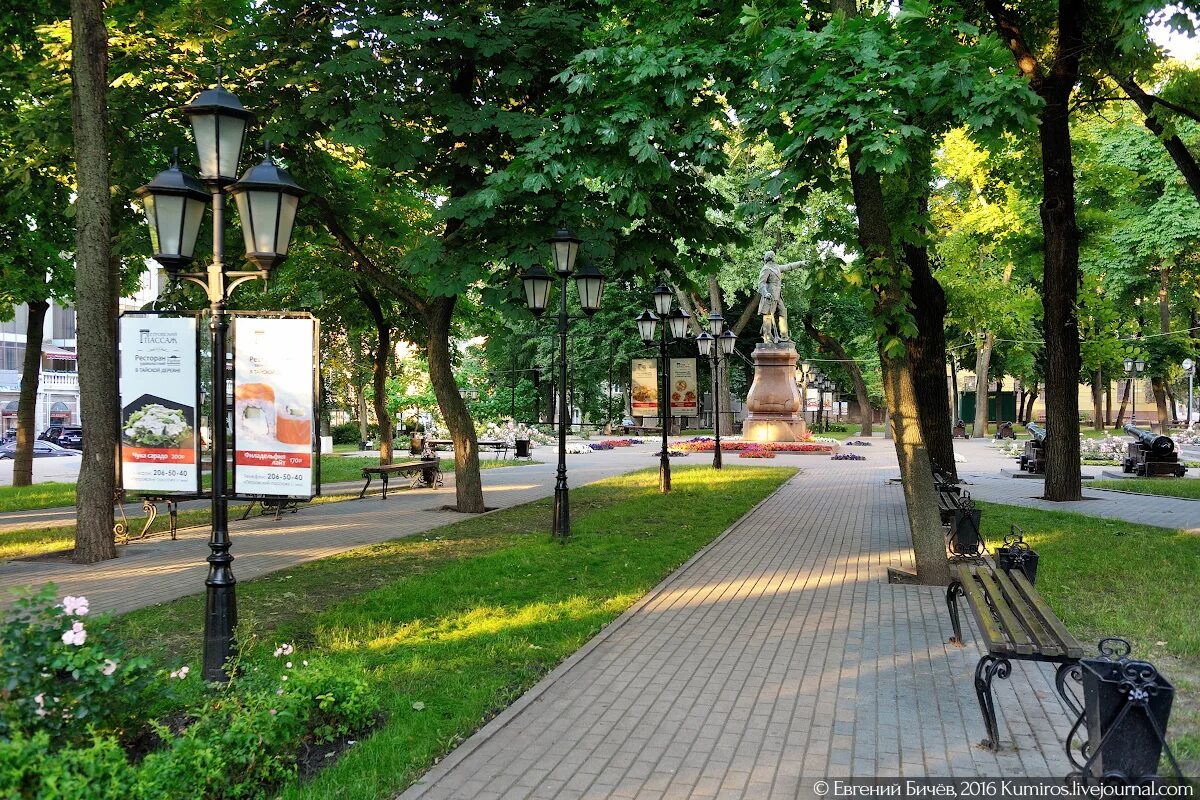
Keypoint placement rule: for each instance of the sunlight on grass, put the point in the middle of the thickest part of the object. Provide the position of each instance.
(40, 495)
(464, 619)
(1165, 487)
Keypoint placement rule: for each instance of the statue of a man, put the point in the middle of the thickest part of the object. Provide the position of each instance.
(770, 304)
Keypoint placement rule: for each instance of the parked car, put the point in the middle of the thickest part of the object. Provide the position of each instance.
(68, 436)
(40, 450)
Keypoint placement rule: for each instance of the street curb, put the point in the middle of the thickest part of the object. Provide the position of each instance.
(497, 724)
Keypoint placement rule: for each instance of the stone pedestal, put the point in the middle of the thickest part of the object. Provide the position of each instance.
(774, 402)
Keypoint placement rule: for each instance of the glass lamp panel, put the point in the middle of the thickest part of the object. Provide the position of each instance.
(1129, 365)
(536, 283)
(193, 215)
(287, 219)
(704, 344)
(264, 213)
(717, 323)
(1139, 365)
(243, 207)
(646, 323)
(590, 285)
(151, 209)
(231, 131)
(805, 367)
(169, 214)
(678, 320)
(204, 131)
(662, 301)
(564, 256)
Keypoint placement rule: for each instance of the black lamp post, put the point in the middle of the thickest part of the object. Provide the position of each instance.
(174, 201)
(1189, 369)
(1134, 368)
(802, 383)
(677, 322)
(589, 282)
(815, 383)
(725, 341)
(829, 386)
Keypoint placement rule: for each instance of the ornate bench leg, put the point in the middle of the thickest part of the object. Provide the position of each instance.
(385, 484)
(989, 667)
(249, 508)
(953, 592)
(366, 486)
(173, 511)
(151, 509)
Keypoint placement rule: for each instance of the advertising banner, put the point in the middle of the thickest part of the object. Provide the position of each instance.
(684, 398)
(273, 416)
(159, 446)
(644, 383)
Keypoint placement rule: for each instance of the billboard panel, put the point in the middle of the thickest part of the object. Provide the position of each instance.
(160, 449)
(273, 414)
(684, 397)
(644, 386)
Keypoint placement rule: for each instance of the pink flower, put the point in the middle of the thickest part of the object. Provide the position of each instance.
(75, 606)
(76, 636)
(109, 667)
(181, 673)
(273, 712)
(284, 650)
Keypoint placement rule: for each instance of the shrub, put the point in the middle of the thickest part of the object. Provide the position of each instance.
(60, 677)
(346, 433)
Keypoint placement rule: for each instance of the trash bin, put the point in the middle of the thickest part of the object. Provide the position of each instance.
(1127, 705)
(1015, 554)
(522, 447)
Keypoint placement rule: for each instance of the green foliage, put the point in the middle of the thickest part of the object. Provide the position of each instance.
(346, 433)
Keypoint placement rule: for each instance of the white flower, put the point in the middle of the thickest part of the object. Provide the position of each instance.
(279, 691)
(283, 677)
(288, 665)
(305, 663)
(284, 650)
(181, 673)
(75, 606)
(109, 667)
(76, 636)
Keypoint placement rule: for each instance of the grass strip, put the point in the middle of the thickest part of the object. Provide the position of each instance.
(1163, 487)
(452, 626)
(1108, 577)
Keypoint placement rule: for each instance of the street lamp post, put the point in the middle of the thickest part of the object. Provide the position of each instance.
(589, 283)
(1189, 369)
(725, 341)
(677, 322)
(174, 201)
(1133, 368)
(829, 386)
(815, 383)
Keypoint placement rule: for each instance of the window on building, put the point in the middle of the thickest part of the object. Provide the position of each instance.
(64, 323)
(11, 355)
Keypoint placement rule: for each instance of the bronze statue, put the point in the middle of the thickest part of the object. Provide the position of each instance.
(770, 304)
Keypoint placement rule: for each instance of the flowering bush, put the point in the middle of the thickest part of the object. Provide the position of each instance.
(848, 457)
(706, 445)
(601, 445)
(858, 443)
(622, 442)
(1109, 449)
(508, 432)
(579, 448)
(752, 450)
(822, 439)
(1190, 436)
(60, 678)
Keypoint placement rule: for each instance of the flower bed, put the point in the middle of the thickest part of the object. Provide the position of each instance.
(848, 457)
(706, 445)
(621, 442)
(858, 443)
(754, 450)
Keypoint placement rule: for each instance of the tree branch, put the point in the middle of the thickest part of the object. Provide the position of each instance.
(1010, 29)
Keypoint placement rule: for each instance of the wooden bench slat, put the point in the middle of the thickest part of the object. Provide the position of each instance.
(1072, 646)
(974, 593)
(1044, 639)
(1015, 631)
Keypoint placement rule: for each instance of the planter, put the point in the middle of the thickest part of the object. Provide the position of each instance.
(522, 448)
(965, 541)
(1127, 705)
(1015, 554)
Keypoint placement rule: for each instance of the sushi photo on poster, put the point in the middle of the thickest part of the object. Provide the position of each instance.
(159, 453)
(273, 406)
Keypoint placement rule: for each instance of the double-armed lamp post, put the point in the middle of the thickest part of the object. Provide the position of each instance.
(1189, 369)
(1133, 368)
(174, 202)
(677, 321)
(725, 341)
(589, 282)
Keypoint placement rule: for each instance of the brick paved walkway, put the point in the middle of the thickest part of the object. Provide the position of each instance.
(778, 654)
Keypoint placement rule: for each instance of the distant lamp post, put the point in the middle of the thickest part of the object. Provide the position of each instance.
(1189, 369)
(802, 384)
(724, 341)
(1133, 368)
(815, 383)
(830, 387)
(676, 322)
(589, 282)
(174, 201)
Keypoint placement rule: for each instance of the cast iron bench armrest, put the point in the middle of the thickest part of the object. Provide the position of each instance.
(1015, 621)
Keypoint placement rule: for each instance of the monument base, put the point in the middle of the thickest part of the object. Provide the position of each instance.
(784, 429)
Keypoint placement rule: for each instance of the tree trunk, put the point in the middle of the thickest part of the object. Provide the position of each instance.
(31, 375)
(1159, 383)
(983, 365)
(1108, 404)
(916, 469)
(955, 400)
(1097, 400)
(1120, 423)
(927, 358)
(1033, 396)
(360, 403)
(383, 351)
(468, 486)
(1160, 401)
(1172, 406)
(860, 386)
(716, 299)
(96, 285)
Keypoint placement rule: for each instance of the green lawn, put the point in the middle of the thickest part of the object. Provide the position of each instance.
(40, 495)
(1113, 578)
(1167, 487)
(463, 620)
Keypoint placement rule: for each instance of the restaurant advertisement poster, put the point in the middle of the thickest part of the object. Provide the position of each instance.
(158, 388)
(274, 365)
(643, 401)
(684, 402)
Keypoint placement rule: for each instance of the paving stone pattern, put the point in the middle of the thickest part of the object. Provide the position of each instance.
(777, 656)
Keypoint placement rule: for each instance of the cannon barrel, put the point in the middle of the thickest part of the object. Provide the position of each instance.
(1036, 431)
(1154, 442)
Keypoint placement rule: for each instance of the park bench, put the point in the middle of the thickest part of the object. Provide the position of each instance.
(272, 505)
(424, 472)
(1014, 620)
(121, 527)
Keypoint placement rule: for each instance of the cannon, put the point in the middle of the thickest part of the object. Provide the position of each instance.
(1151, 455)
(959, 431)
(1005, 430)
(1034, 458)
